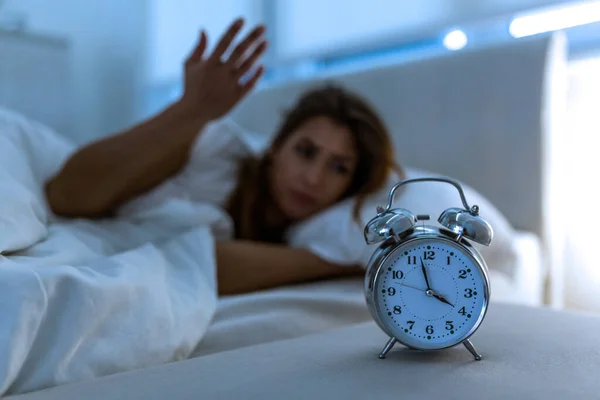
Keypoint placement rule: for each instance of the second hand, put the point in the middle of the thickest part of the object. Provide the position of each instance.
(413, 287)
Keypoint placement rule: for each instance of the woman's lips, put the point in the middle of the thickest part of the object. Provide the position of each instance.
(303, 198)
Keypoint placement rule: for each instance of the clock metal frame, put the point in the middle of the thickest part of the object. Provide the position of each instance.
(389, 247)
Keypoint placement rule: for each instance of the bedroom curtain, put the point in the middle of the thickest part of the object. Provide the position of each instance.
(581, 266)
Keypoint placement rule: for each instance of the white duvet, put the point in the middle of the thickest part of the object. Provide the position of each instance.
(81, 299)
(98, 298)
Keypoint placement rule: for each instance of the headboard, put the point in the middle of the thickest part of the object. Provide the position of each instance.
(481, 116)
(35, 79)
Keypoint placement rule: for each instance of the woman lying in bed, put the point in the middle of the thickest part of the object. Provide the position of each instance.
(331, 146)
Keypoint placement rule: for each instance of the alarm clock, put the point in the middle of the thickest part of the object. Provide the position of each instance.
(426, 286)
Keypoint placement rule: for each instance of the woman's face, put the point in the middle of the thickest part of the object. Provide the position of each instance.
(313, 168)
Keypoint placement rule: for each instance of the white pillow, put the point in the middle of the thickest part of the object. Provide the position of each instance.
(335, 236)
(30, 153)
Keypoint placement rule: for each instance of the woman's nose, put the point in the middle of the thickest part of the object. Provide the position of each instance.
(314, 174)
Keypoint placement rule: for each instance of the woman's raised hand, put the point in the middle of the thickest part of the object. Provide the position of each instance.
(213, 85)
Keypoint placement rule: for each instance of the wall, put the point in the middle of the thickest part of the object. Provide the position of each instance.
(174, 27)
(107, 41)
(173, 30)
(120, 48)
(123, 50)
(314, 27)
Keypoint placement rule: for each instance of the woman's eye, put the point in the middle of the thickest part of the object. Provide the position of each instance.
(306, 151)
(340, 169)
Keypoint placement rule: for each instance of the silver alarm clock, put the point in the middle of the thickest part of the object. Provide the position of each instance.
(427, 287)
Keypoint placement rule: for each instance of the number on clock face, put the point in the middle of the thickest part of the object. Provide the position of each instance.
(430, 293)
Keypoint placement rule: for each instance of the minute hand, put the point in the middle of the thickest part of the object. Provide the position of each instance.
(425, 275)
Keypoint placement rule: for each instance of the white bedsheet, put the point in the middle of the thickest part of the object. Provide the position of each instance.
(96, 298)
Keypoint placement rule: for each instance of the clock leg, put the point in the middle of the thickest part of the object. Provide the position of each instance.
(388, 347)
(472, 349)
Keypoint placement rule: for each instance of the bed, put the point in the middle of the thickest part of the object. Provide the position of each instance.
(488, 117)
(506, 96)
(495, 108)
(524, 361)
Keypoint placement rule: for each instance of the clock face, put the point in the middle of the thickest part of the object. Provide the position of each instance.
(430, 293)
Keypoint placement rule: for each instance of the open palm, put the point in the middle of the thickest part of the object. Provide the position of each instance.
(213, 85)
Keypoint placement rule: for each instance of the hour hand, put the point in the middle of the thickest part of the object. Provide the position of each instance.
(441, 298)
(425, 274)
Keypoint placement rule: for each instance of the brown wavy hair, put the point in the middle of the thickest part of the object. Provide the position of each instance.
(251, 198)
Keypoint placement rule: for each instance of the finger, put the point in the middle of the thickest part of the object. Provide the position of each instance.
(249, 62)
(226, 39)
(198, 51)
(250, 83)
(243, 47)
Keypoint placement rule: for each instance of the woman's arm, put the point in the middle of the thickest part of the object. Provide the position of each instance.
(102, 176)
(245, 266)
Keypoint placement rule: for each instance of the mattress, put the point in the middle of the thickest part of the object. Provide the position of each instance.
(528, 353)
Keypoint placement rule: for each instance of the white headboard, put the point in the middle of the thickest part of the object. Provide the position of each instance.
(35, 78)
(481, 116)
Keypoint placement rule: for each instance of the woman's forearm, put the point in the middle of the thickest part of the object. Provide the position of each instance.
(101, 176)
(245, 266)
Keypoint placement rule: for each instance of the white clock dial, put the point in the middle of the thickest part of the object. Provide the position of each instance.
(431, 293)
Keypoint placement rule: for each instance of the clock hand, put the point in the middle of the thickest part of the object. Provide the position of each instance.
(440, 297)
(413, 287)
(425, 274)
(429, 291)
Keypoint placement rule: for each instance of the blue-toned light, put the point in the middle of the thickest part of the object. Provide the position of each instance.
(569, 16)
(455, 40)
